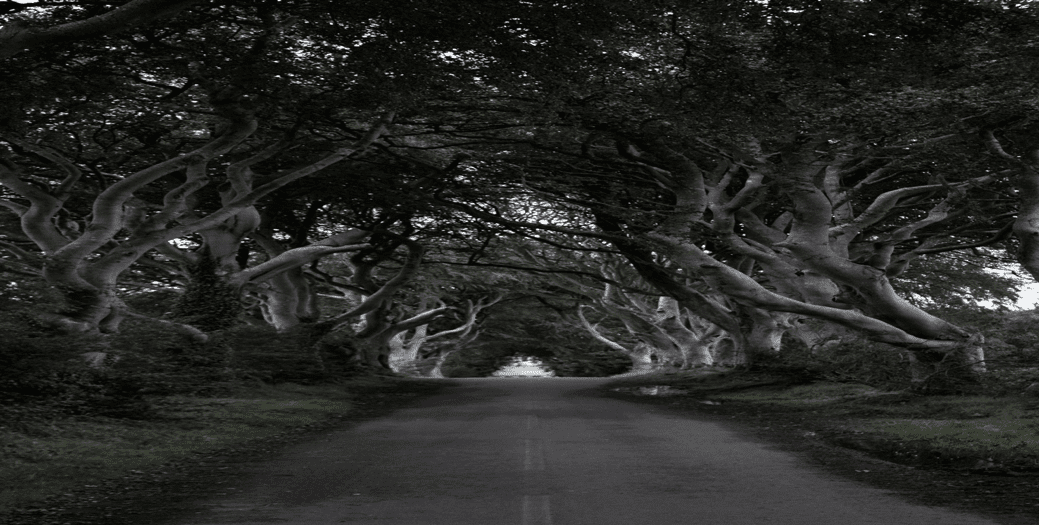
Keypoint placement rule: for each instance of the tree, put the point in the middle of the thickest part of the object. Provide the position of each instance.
(254, 110)
(746, 160)
(783, 214)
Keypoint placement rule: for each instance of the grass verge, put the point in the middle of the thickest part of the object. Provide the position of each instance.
(993, 435)
(42, 461)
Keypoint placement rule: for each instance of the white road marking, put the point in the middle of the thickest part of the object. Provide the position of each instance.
(533, 454)
(537, 510)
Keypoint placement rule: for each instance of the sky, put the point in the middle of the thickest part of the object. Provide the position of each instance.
(1028, 297)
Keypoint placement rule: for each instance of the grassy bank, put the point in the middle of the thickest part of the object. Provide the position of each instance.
(968, 433)
(43, 460)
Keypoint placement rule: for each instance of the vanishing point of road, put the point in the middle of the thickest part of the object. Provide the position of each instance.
(540, 452)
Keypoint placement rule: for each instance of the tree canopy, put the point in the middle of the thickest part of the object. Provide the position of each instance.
(688, 183)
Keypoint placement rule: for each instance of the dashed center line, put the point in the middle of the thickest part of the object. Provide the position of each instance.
(537, 510)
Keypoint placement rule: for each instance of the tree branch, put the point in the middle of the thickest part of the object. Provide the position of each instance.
(18, 36)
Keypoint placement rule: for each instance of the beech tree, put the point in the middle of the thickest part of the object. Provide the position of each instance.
(765, 168)
(787, 206)
(657, 331)
(240, 85)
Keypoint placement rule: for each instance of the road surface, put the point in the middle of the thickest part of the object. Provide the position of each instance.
(535, 451)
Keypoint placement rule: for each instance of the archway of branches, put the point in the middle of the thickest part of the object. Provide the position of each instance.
(394, 188)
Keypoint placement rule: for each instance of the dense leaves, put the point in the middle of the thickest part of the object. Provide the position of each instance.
(369, 179)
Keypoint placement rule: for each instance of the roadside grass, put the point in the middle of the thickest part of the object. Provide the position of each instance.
(965, 432)
(43, 458)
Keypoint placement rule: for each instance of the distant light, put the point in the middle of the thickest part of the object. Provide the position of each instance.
(524, 367)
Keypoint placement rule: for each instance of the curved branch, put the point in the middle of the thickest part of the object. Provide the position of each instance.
(107, 217)
(746, 290)
(423, 318)
(37, 220)
(18, 209)
(407, 271)
(470, 319)
(297, 257)
(18, 36)
(598, 336)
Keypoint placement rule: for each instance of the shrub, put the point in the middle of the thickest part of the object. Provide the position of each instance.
(590, 361)
(854, 360)
(262, 353)
(48, 371)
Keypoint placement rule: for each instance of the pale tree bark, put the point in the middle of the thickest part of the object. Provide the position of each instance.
(683, 330)
(696, 192)
(822, 249)
(668, 331)
(641, 354)
(808, 246)
(89, 286)
(437, 370)
(376, 342)
(371, 321)
(280, 284)
(223, 241)
(699, 303)
(744, 289)
(404, 350)
(85, 267)
(383, 295)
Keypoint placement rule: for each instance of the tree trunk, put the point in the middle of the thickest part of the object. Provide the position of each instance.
(437, 371)
(642, 358)
(817, 334)
(287, 300)
(18, 36)
(641, 354)
(763, 337)
(86, 267)
(726, 350)
(671, 321)
(91, 303)
(404, 351)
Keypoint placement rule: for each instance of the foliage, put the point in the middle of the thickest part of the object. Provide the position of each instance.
(476, 362)
(854, 360)
(590, 360)
(960, 280)
(42, 374)
(1011, 347)
(565, 118)
(562, 357)
(46, 374)
(1011, 355)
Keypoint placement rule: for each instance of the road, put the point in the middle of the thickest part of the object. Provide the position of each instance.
(507, 451)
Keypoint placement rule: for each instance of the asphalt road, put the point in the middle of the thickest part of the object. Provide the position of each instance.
(537, 452)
